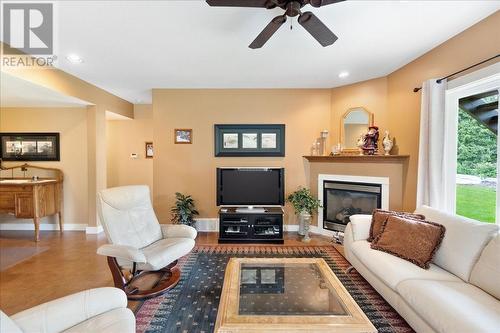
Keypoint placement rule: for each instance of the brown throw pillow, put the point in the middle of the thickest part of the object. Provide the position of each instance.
(410, 239)
(379, 216)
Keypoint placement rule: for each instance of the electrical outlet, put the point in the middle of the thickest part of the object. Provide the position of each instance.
(133, 156)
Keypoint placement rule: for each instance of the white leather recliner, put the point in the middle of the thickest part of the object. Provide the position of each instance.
(94, 310)
(138, 243)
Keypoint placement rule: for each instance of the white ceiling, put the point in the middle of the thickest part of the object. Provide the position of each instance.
(130, 47)
(16, 92)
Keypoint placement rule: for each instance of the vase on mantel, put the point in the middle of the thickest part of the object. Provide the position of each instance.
(388, 143)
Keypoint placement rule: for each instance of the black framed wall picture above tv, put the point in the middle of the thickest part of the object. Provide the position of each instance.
(249, 140)
(30, 146)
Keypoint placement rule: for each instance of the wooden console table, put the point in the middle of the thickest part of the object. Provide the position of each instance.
(26, 198)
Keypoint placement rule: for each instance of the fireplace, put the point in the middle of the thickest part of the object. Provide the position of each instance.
(342, 196)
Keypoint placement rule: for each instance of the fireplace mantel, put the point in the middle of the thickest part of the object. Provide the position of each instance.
(358, 158)
(393, 167)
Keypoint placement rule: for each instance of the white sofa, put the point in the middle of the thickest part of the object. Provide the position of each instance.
(90, 311)
(460, 292)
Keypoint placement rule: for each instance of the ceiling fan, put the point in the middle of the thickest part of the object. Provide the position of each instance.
(292, 8)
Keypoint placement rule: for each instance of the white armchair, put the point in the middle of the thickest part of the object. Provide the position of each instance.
(138, 243)
(94, 310)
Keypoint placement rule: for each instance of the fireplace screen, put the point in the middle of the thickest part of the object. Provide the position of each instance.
(343, 199)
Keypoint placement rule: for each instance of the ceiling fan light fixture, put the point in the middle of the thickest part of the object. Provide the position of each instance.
(292, 8)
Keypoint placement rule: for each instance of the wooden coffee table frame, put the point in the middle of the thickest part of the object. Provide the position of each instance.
(229, 320)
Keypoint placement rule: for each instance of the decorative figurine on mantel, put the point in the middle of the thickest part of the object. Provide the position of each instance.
(388, 143)
(370, 146)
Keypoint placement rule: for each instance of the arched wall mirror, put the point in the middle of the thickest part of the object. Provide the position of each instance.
(354, 123)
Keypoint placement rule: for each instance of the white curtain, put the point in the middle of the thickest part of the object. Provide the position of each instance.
(431, 187)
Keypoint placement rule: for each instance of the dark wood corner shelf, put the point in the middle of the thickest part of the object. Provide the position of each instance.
(353, 158)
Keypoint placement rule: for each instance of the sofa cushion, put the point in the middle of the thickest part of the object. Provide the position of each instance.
(115, 321)
(164, 252)
(393, 270)
(379, 216)
(7, 325)
(360, 226)
(463, 243)
(410, 239)
(452, 306)
(486, 272)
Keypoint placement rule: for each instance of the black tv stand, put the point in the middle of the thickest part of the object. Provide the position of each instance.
(248, 226)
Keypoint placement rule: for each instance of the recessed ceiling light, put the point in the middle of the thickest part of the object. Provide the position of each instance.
(343, 74)
(74, 58)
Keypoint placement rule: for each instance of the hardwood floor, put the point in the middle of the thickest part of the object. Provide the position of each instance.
(70, 264)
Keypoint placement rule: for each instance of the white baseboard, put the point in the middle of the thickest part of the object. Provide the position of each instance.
(43, 226)
(207, 224)
(313, 229)
(94, 230)
(291, 227)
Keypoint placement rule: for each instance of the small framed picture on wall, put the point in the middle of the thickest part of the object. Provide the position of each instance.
(149, 150)
(183, 136)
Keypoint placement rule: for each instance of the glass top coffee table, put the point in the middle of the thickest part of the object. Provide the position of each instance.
(286, 294)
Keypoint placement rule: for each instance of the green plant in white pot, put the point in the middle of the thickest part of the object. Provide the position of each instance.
(184, 210)
(304, 205)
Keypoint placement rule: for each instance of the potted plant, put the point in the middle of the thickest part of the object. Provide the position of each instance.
(304, 205)
(183, 210)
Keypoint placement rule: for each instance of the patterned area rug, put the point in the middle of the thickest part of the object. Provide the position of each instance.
(192, 305)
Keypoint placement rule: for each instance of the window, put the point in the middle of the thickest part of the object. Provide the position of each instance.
(476, 180)
(472, 148)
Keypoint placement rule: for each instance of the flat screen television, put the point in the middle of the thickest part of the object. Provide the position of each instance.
(250, 186)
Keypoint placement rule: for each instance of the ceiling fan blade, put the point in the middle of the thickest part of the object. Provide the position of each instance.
(320, 3)
(317, 29)
(268, 31)
(242, 3)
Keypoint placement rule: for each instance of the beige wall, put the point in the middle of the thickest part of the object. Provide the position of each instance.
(71, 123)
(100, 101)
(125, 137)
(371, 95)
(397, 107)
(475, 44)
(191, 168)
